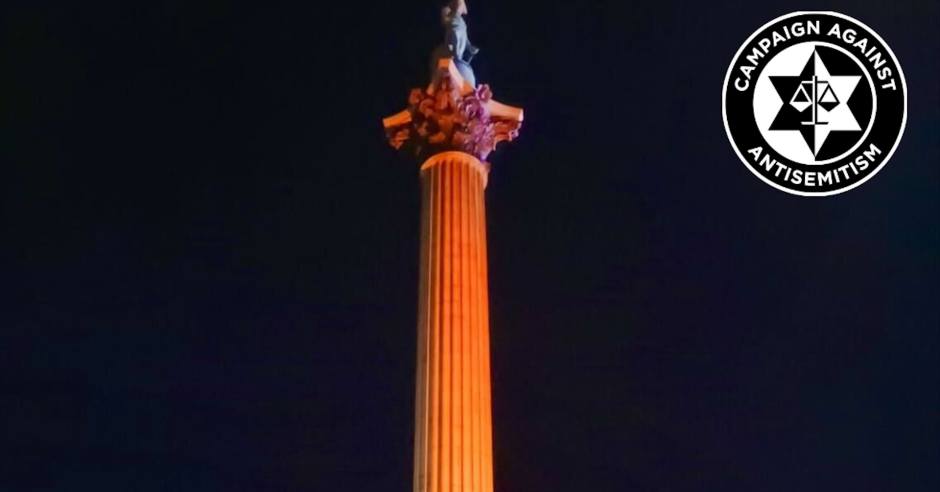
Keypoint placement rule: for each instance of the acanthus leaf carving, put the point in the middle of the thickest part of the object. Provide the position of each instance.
(441, 119)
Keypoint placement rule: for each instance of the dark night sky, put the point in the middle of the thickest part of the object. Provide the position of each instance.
(210, 255)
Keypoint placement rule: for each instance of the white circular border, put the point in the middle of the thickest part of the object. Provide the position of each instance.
(724, 113)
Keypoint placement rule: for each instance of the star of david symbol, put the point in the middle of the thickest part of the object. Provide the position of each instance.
(816, 103)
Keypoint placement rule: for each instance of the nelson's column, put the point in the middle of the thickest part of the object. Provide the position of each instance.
(451, 127)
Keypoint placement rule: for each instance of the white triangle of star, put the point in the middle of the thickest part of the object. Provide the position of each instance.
(841, 117)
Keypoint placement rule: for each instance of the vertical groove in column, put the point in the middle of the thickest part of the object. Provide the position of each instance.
(475, 324)
(433, 444)
(469, 172)
(467, 337)
(469, 333)
(456, 319)
(454, 167)
(481, 286)
(454, 325)
(457, 449)
(447, 197)
(464, 167)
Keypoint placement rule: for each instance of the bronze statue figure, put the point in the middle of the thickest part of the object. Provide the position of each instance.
(455, 31)
(456, 43)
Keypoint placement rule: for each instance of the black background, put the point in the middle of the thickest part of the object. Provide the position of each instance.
(887, 126)
(210, 252)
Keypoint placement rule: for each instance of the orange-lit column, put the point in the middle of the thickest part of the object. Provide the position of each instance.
(453, 431)
(457, 124)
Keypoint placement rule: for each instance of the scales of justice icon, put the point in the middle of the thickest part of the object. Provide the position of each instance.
(814, 93)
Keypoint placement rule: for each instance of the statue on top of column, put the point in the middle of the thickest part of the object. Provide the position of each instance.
(455, 31)
(456, 43)
(453, 113)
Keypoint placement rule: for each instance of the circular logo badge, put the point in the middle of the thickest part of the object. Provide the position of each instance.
(814, 103)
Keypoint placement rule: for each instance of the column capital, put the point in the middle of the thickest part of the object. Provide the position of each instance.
(452, 115)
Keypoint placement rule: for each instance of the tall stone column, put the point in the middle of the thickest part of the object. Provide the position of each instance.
(452, 126)
(453, 429)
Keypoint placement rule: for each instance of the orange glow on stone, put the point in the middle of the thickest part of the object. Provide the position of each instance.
(453, 417)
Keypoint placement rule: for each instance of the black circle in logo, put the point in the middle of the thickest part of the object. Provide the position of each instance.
(814, 103)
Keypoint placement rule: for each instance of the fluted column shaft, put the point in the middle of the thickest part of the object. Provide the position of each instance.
(453, 431)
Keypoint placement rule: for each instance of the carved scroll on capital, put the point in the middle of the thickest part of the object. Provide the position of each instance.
(452, 115)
